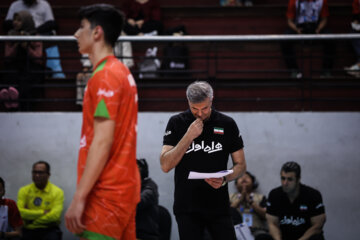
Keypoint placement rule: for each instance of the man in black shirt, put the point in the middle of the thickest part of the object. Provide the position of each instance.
(147, 211)
(295, 211)
(201, 139)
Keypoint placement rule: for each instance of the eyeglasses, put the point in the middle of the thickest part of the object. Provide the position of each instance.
(290, 179)
(39, 172)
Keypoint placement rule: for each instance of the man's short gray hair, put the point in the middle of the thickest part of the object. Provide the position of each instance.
(199, 91)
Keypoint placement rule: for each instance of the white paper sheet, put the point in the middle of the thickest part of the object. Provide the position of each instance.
(198, 175)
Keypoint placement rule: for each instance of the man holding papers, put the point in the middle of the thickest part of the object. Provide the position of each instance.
(200, 140)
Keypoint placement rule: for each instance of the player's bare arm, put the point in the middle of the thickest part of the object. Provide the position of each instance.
(239, 165)
(317, 224)
(273, 223)
(98, 155)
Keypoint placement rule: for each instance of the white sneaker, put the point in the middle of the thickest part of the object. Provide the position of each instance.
(153, 33)
(353, 70)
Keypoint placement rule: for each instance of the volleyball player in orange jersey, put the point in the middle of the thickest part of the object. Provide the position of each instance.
(108, 190)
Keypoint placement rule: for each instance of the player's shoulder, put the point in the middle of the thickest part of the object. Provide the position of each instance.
(310, 191)
(55, 187)
(276, 192)
(222, 117)
(111, 64)
(110, 69)
(27, 188)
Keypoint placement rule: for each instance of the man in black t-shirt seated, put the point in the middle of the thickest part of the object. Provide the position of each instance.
(295, 211)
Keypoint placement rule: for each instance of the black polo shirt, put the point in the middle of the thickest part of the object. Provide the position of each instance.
(208, 153)
(294, 218)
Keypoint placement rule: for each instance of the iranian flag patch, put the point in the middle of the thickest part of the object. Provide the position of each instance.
(218, 130)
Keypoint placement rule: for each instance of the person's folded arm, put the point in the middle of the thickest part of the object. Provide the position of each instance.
(273, 223)
(47, 27)
(54, 214)
(317, 224)
(27, 214)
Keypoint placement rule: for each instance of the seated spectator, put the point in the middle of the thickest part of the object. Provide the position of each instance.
(143, 17)
(39, 9)
(10, 220)
(307, 17)
(250, 204)
(123, 52)
(294, 210)
(82, 78)
(40, 204)
(147, 212)
(45, 25)
(23, 60)
(354, 70)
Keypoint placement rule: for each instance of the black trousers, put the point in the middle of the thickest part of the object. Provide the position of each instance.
(287, 48)
(53, 233)
(197, 226)
(319, 236)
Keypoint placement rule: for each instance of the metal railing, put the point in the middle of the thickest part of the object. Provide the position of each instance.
(229, 62)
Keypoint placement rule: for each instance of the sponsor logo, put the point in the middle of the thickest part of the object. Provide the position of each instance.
(218, 130)
(167, 133)
(319, 205)
(83, 141)
(292, 221)
(103, 92)
(209, 149)
(131, 80)
(37, 201)
(303, 208)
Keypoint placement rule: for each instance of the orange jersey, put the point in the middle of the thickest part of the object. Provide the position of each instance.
(111, 93)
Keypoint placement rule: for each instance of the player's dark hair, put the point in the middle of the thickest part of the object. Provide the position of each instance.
(2, 182)
(143, 168)
(292, 167)
(108, 17)
(47, 165)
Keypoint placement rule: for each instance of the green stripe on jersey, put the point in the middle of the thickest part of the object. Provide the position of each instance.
(99, 68)
(94, 236)
(101, 110)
